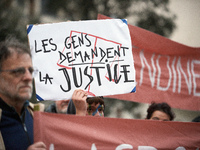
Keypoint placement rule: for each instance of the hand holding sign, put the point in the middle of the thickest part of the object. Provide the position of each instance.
(79, 99)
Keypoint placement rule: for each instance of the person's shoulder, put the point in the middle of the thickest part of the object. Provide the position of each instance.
(35, 107)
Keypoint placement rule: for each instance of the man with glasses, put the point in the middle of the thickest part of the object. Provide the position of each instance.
(16, 75)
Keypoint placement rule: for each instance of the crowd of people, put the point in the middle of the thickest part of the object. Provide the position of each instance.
(16, 117)
(16, 112)
(94, 105)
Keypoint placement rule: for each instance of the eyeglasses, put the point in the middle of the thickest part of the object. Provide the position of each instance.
(21, 71)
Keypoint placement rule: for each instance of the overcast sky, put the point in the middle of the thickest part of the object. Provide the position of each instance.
(188, 22)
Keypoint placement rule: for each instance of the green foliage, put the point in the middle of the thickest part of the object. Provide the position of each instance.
(151, 15)
(13, 20)
(155, 16)
(9, 20)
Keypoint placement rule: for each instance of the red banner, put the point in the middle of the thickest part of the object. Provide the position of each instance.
(61, 132)
(166, 71)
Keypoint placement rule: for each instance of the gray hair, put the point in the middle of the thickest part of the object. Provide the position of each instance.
(11, 45)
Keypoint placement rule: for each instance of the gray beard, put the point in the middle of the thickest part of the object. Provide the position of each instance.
(6, 90)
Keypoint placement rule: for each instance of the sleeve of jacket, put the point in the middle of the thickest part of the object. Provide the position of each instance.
(2, 146)
(71, 108)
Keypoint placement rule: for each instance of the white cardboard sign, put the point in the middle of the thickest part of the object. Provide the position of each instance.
(95, 56)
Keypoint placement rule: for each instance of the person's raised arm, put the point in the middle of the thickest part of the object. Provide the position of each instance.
(79, 99)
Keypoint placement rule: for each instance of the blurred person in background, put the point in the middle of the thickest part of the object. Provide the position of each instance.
(196, 119)
(160, 111)
(94, 105)
(59, 106)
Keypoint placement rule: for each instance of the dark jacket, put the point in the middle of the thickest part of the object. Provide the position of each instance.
(51, 108)
(17, 131)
